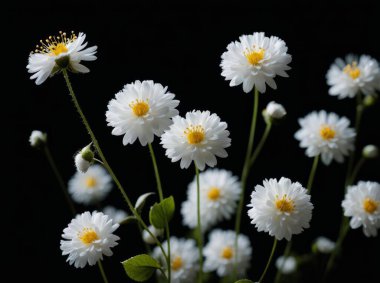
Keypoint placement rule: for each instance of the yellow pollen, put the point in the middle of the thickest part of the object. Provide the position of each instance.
(88, 235)
(227, 253)
(58, 49)
(195, 134)
(55, 45)
(254, 56)
(285, 205)
(91, 182)
(139, 107)
(370, 206)
(213, 193)
(327, 133)
(176, 263)
(352, 70)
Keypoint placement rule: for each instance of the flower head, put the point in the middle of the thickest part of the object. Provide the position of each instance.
(88, 237)
(353, 75)
(274, 111)
(199, 137)
(286, 265)
(37, 138)
(155, 231)
(219, 193)
(117, 215)
(362, 204)
(255, 60)
(324, 245)
(281, 208)
(84, 159)
(90, 187)
(326, 134)
(60, 52)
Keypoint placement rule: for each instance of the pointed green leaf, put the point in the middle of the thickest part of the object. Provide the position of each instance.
(161, 213)
(140, 267)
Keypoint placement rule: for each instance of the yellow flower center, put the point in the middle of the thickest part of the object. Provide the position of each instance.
(176, 263)
(227, 253)
(352, 70)
(370, 206)
(195, 134)
(88, 235)
(91, 182)
(213, 193)
(58, 49)
(285, 204)
(254, 56)
(327, 133)
(55, 45)
(139, 107)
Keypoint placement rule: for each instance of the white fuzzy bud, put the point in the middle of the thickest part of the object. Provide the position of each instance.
(274, 111)
(156, 232)
(323, 245)
(286, 265)
(370, 151)
(37, 138)
(84, 159)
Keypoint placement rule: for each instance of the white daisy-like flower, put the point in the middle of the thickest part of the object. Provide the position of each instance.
(286, 265)
(362, 204)
(199, 137)
(37, 138)
(84, 159)
(59, 52)
(219, 193)
(324, 245)
(88, 237)
(117, 215)
(155, 231)
(141, 110)
(353, 75)
(183, 259)
(220, 254)
(327, 135)
(254, 61)
(90, 187)
(281, 208)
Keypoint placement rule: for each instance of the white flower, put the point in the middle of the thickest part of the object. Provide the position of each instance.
(37, 138)
(281, 208)
(220, 253)
(286, 265)
(370, 151)
(255, 60)
(354, 75)
(183, 259)
(58, 52)
(362, 204)
(199, 137)
(274, 111)
(90, 187)
(117, 215)
(326, 134)
(87, 238)
(148, 238)
(84, 159)
(219, 193)
(324, 245)
(141, 110)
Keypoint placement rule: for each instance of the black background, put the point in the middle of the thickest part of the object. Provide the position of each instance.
(179, 46)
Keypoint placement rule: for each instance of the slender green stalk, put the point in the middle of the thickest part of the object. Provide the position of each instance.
(59, 179)
(260, 144)
(356, 170)
(104, 276)
(312, 174)
(269, 260)
(199, 227)
(287, 251)
(141, 230)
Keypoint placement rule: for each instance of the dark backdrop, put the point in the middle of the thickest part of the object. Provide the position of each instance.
(179, 46)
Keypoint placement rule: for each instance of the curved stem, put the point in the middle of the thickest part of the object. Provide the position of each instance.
(260, 144)
(312, 174)
(104, 276)
(61, 183)
(269, 260)
(199, 228)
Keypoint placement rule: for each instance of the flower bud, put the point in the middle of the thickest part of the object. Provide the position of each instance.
(323, 245)
(148, 238)
(84, 159)
(274, 112)
(37, 138)
(370, 100)
(370, 151)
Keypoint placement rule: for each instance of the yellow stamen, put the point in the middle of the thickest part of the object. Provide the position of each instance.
(327, 133)
(55, 45)
(227, 253)
(58, 49)
(370, 206)
(176, 263)
(91, 182)
(352, 70)
(213, 193)
(254, 57)
(195, 134)
(88, 235)
(139, 107)
(285, 204)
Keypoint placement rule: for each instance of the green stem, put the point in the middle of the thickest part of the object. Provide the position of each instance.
(312, 174)
(356, 170)
(199, 228)
(286, 253)
(269, 260)
(104, 276)
(59, 179)
(260, 144)
(141, 230)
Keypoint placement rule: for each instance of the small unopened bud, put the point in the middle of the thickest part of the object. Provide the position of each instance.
(84, 159)
(370, 151)
(370, 100)
(286, 265)
(148, 238)
(274, 112)
(323, 245)
(37, 138)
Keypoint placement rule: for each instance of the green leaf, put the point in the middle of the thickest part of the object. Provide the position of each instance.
(128, 220)
(244, 281)
(141, 201)
(140, 267)
(161, 213)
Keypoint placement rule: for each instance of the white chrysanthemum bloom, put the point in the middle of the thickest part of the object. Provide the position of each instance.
(362, 204)
(254, 61)
(141, 110)
(324, 245)
(37, 138)
(148, 238)
(59, 52)
(183, 259)
(326, 134)
(84, 159)
(219, 193)
(199, 137)
(281, 208)
(286, 265)
(220, 255)
(88, 237)
(90, 187)
(117, 215)
(274, 111)
(370, 151)
(353, 75)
